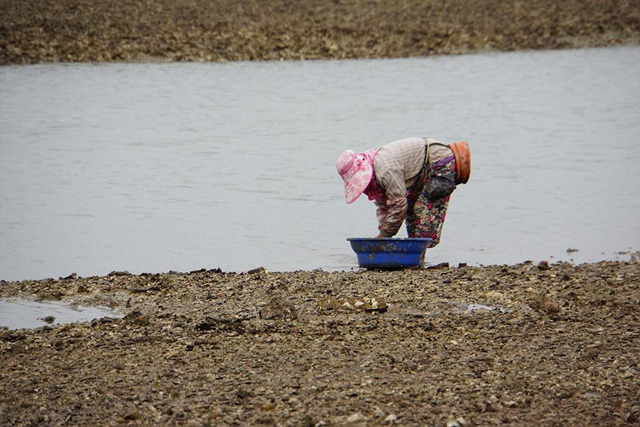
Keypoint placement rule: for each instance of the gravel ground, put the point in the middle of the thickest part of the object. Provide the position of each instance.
(34, 31)
(523, 345)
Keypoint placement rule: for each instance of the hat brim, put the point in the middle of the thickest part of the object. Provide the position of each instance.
(356, 180)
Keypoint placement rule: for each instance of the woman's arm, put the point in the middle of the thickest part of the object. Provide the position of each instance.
(390, 215)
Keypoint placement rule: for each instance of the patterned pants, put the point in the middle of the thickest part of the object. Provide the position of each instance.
(425, 218)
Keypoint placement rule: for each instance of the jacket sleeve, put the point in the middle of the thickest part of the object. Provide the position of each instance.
(391, 215)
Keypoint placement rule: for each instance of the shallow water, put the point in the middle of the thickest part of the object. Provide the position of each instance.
(17, 313)
(157, 167)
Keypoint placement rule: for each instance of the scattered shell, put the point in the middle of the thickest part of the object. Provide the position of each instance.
(355, 418)
(375, 304)
(391, 418)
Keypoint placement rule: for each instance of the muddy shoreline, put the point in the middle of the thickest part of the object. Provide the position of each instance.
(528, 344)
(41, 31)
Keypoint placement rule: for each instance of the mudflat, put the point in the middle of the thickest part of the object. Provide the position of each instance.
(35, 31)
(527, 344)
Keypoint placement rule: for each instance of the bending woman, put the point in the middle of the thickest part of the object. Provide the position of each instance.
(409, 180)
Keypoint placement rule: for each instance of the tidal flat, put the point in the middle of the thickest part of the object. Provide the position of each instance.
(527, 344)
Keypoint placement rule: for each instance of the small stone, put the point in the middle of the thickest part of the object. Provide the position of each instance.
(550, 307)
(132, 416)
(391, 418)
(355, 418)
(375, 304)
(48, 319)
(119, 273)
(458, 422)
(441, 265)
(377, 412)
(543, 265)
(102, 320)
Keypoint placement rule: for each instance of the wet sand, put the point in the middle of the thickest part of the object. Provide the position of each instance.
(35, 31)
(523, 345)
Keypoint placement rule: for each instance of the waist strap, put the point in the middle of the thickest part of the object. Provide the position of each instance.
(463, 161)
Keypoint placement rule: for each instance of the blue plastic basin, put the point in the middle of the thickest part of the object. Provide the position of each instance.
(389, 253)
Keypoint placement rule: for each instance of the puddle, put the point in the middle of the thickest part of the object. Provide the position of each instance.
(479, 308)
(458, 308)
(17, 313)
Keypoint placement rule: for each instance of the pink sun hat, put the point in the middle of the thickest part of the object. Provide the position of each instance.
(356, 171)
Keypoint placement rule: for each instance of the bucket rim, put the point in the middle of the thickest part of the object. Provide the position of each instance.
(386, 239)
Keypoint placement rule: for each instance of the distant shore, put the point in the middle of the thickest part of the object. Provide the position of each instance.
(40, 31)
